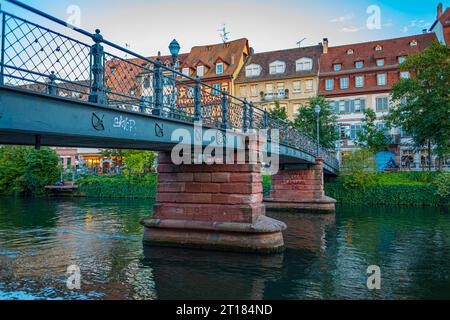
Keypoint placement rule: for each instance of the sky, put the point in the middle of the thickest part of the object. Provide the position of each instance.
(148, 26)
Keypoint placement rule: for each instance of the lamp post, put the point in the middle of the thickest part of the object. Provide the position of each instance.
(174, 48)
(317, 111)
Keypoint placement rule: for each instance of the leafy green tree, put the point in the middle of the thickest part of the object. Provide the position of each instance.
(306, 120)
(138, 162)
(370, 135)
(12, 168)
(41, 168)
(110, 153)
(278, 112)
(422, 101)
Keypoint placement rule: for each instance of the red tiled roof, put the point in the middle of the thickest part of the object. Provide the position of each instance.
(289, 56)
(229, 52)
(445, 18)
(392, 49)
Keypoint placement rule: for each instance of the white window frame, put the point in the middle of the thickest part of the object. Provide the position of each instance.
(254, 90)
(252, 70)
(380, 62)
(186, 71)
(202, 73)
(304, 64)
(341, 82)
(277, 67)
(381, 76)
(359, 81)
(297, 89)
(362, 64)
(337, 67)
(309, 86)
(405, 75)
(219, 65)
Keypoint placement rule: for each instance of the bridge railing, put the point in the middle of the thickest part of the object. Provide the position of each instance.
(86, 67)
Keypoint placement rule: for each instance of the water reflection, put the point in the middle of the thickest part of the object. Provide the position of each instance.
(326, 256)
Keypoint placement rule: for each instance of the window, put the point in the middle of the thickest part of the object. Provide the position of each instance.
(342, 106)
(277, 67)
(297, 86)
(413, 43)
(216, 86)
(381, 79)
(350, 52)
(359, 105)
(132, 91)
(349, 106)
(329, 84)
(113, 70)
(337, 67)
(303, 64)
(186, 71)
(382, 104)
(354, 130)
(380, 62)
(401, 59)
(382, 126)
(359, 81)
(280, 90)
(219, 68)
(359, 64)
(243, 90)
(308, 86)
(253, 91)
(200, 71)
(378, 48)
(405, 75)
(344, 83)
(269, 89)
(253, 70)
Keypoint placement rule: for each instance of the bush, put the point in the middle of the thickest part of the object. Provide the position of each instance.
(442, 185)
(41, 169)
(12, 168)
(118, 186)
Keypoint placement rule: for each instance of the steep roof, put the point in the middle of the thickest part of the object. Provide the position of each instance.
(230, 53)
(289, 56)
(391, 50)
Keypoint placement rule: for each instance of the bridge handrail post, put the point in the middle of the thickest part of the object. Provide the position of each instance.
(2, 58)
(197, 100)
(98, 92)
(244, 116)
(224, 110)
(51, 86)
(250, 124)
(286, 128)
(157, 88)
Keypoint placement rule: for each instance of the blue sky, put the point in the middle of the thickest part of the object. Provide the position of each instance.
(149, 25)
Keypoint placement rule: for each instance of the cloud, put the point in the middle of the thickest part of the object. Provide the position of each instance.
(404, 29)
(351, 29)
(342, 19)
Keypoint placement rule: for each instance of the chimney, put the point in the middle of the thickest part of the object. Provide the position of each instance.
(439, 10)
(325, 45)
(252, 51)
(424, 31)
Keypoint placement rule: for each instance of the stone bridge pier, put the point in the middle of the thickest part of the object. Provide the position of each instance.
(218, 206)
(299, 189)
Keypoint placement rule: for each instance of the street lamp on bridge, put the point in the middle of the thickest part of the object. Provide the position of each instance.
(317, 111)
(174, 48)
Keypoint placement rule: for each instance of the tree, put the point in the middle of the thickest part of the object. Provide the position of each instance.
(110, 153)
(278, 112)
(41, 168)
(138, 162)
(306, 120)
(422, 102)
(370, 135)
(12, 168)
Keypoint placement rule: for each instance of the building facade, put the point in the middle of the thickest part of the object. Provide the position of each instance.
(360, 76)
(288, 77)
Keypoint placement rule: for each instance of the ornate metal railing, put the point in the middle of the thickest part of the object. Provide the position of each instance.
(87, 67)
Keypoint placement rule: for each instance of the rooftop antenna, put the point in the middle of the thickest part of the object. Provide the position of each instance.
(299, 43)
(224, 34)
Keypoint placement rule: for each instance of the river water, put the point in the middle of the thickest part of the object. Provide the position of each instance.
(326, 257)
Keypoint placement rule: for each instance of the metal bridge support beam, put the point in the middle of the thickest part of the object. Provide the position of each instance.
(98, 92)
(157, 88)
(299, 189)
(216, 206)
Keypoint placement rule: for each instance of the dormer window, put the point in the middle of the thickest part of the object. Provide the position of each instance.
(304, 64)
(359, 64)
(186, 71)
(378, 48)
(219, 68)
(253, 70)
(380, 62)
(277, 67)
(350, 52)
(200, 71)
(413, 43)
(113, 69)
(337, 67)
